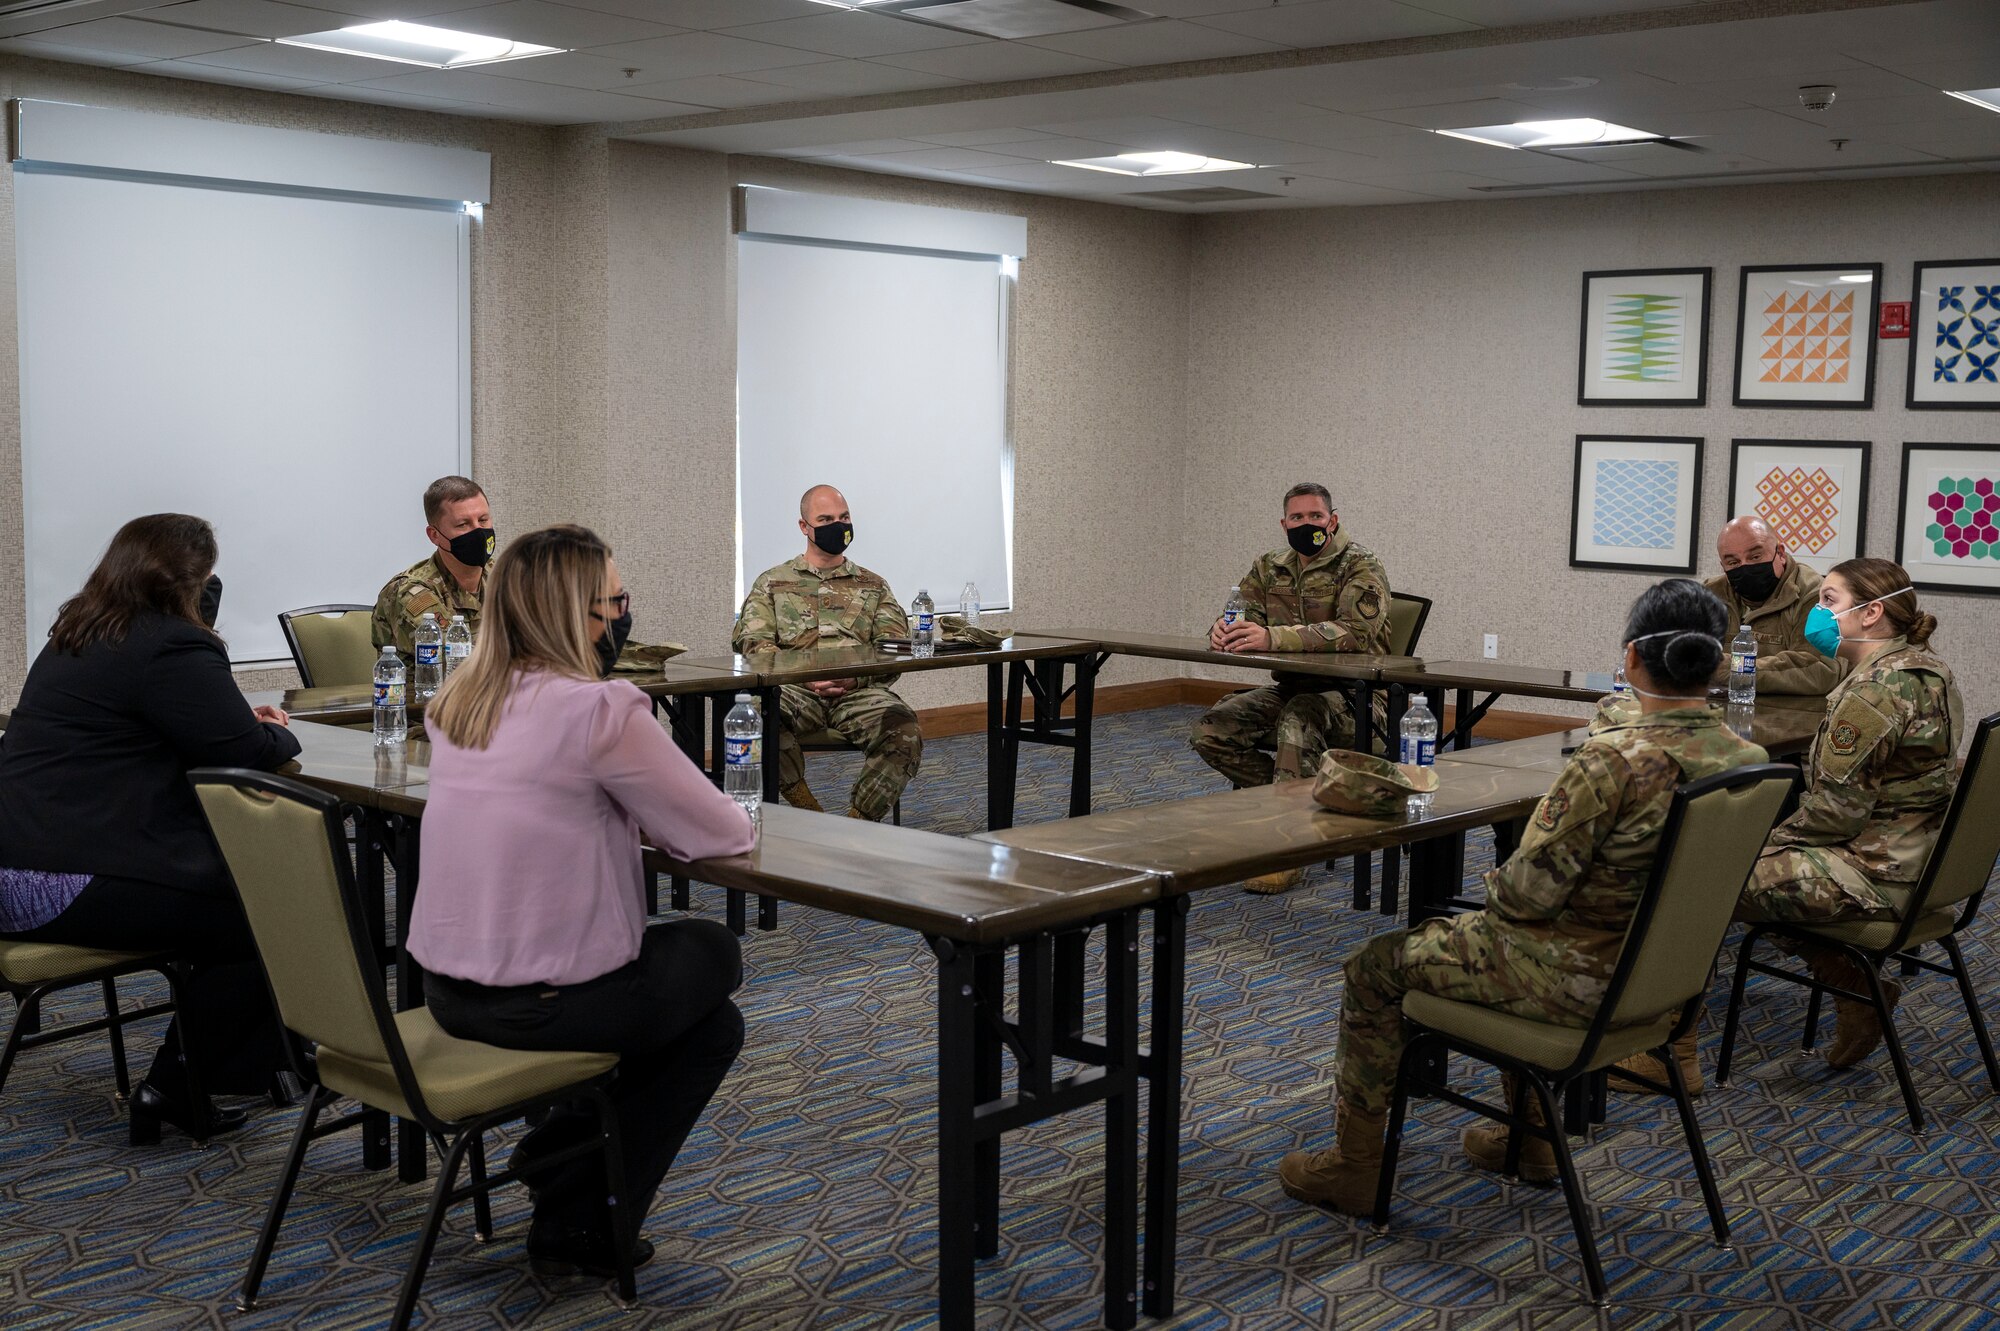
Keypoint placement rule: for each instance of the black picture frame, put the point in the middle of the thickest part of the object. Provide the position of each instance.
(1920, 326)
(1906, 522)
(1690, 505)
(1866, 401)
(1585, 340)
(1861, 448)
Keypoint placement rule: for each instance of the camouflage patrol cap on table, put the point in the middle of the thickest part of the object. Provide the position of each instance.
(1359, 783)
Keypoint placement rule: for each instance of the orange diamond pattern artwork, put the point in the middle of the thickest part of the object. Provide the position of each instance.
(1808, 336)
(1803, 506)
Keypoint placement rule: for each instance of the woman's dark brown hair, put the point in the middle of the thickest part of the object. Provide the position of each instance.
(156, 563)
(1872, 579)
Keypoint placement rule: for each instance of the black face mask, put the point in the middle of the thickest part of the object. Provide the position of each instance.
(1307, 539)
(473, 548)
(834, 537)
(1753, 582)
(211, 600)
(616, 631)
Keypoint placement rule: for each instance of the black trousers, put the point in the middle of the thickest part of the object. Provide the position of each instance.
(668, 1017)
(235, 1028)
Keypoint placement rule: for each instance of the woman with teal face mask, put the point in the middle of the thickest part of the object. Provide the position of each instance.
(1878, 780)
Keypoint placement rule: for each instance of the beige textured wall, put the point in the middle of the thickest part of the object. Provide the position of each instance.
(1422, 362)
(515, 453)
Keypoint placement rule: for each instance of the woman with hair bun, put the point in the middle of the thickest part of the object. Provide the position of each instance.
(1878, 781)
(1556, 912)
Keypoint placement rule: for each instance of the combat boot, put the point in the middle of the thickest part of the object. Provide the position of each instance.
(1271, 884)
(799, 795)
(1685, 1053)
(1485, 1144)
(1857, 1030)
(1345, 1175)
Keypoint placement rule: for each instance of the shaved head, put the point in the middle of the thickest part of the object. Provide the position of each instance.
(1751, 540)
(821, 499)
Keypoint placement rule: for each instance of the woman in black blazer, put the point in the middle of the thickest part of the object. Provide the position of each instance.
(102, 843)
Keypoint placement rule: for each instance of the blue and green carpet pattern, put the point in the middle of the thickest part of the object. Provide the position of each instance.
(805, 1198)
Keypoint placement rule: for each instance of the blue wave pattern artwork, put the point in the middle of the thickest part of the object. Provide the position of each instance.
(1637, 503)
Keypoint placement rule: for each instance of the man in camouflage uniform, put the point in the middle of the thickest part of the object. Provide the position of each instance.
(452, 579)
(1324, 593)
(1544, 946)
(1763, 586)
(1879, 778)
(825, 599)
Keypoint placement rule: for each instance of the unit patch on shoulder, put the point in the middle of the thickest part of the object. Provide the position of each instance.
(1846, 738)
(1370, 604)
(1555, 804)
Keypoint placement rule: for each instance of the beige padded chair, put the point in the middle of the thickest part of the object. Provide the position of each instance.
(1714, 829)
(286, 849)
(331, 644)
(1937, 910)
(29, 972)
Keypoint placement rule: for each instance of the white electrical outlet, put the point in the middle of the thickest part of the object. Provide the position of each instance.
(1492, 646)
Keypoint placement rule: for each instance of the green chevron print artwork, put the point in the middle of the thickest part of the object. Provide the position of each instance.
(1642, 337)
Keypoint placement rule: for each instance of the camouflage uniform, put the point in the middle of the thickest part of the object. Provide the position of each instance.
(1337, 601)
(1878, 780)
(1556, 911)
(1786, 663)
(796, 605)
(424, 585)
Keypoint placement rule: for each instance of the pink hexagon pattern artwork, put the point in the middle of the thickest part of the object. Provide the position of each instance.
(1965, 520)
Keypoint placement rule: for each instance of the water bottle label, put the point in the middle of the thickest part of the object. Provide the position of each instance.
(924, 623)
(1743, 663)
(458, 651)
(427, 653)
(1228, 618)
(1420, 752)
(743, 752)
(388, 695)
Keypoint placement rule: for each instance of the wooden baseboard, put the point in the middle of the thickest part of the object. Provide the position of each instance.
(970, 718)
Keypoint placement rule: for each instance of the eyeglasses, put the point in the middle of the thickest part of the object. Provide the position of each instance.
(622, 603)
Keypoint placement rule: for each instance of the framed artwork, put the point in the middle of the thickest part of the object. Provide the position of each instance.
(1805, 337)
(1644, 338)
(1634, 503)
(1948, 517)
(1814, 494)
(1955, 336)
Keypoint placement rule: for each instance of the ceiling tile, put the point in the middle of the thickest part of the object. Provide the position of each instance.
(1132, 131)
(1196, 8)
(539, 99)
(300, 62)
(255, 18)
(1457, 115)
(422, 11)
(1334, 22)
(975, 138)
(855, 34)
(947, 159)
(547, 24)
(718, 91)
(139, 37)
(1513, 13)
(354, 92)
(847, 78)
(696, 54)
(992, 62)
(1959, 139)
(1051, 147)
(76, 55)
(240, 78)
(706, 14)
(1156, 43)
(570, 69)
(859, 148)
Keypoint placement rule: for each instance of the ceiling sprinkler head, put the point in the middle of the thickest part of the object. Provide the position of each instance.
(1817, 96)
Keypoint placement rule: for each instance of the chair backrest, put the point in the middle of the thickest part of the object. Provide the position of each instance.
(1969, 841)
(331, 644)
(1715, 827)
(286, 849)
(1406, 622)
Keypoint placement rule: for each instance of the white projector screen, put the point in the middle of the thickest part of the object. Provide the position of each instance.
(293, 368)
(884, 373)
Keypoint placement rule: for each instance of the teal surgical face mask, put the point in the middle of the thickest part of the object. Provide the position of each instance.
(1823, 625)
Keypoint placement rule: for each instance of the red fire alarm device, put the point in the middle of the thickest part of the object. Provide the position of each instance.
(1895, 318)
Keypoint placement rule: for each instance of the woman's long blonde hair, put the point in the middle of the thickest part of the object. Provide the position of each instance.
(536, 618)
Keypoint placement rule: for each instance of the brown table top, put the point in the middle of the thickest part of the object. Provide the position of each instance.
(1782, 729)
(1192, 647)
(348, 765)
(1211, 840)
(353, 704)
(801, 664)
(1501, 677)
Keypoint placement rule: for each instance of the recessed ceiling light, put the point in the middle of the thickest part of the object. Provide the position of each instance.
(1987, 99)
(1158, 164)
(416, 44)
(1552, 134)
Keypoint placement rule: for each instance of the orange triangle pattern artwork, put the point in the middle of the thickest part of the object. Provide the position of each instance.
(1808, 337)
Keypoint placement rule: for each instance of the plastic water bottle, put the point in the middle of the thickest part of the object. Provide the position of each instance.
(968, 606)
(923, 632)
(1420, 742)
(1743, 668)
(1619, 686)
(392, 725)
(1232, 609)
(457, 644)
(429, 654)
(743, 758)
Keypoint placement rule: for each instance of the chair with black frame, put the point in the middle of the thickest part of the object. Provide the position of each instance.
(285, 848)
(1937, 909)
(1407, 616)
(30, 972)
(1714, 829)
(331, 644)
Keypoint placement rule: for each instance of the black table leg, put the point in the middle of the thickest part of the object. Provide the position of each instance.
(1462, 721)
(1121, 1121)
(957, 1104)
(1086, 696)
(989, 978)
(1163, 1113)
(1437, 870)
(1003, 766)
(687, 713)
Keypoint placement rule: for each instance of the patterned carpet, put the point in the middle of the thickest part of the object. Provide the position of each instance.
(805, 1198)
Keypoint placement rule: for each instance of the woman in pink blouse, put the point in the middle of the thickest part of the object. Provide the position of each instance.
(545, 777)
